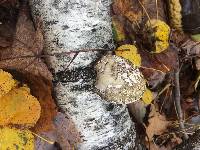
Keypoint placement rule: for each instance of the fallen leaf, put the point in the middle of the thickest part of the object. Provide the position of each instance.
(152, 10)
(19, 107)
(8, 15)
(66, 130)
(28, 41)
(130, 53)
(120, 7)
(128, 8)
(42, 89)
(5, 42)
(155, 66)
(118, 30)
(16, 139)
(64, 133)
(157, 124)
(6, 82)
(147, 97)
(157, 34)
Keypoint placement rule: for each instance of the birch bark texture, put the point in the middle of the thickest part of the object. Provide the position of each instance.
(71, 25)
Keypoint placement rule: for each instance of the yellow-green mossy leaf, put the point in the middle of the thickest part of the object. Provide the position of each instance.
(118, 30)
(15, 139)
(130, 53)
(147, 97)
(19, 107)
(196, 37)
(160, 31)
(6, 82)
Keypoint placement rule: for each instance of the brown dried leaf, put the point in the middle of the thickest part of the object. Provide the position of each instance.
(42, 88)
(64, 133)
(127, 8)
(121, 6)
(191, 47)
(151, 9)
(157, 124)
(6, 2)
(66, 130)
(165, 61)
(5, 42)
(27, 41)
(133, 10)
(7, 25)
(155, 66)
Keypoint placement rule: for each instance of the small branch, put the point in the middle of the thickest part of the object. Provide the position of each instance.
(145, 11)
(157, 9)
(44, 139)
(153, 69)
(74, 57)
(58, 54)
(178, 102)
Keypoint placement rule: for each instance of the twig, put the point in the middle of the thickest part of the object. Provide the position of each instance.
(178, 101)
(165, 99)
(74, 57)
(157, 9)
(143, 67)
(48, 141)
(145, 11)
(58, 54)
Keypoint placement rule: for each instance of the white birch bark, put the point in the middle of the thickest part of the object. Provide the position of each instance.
(83, 24)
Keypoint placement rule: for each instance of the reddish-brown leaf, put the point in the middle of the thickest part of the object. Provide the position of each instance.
(27, 41)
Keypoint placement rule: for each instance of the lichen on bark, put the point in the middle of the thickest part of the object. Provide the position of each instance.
(83, 24)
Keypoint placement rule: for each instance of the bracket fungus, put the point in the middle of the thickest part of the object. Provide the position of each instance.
(159, 33)
(118, 80)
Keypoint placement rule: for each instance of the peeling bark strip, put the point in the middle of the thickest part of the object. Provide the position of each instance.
(80, 24)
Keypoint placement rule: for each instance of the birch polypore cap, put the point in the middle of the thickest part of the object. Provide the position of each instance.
(118, 80)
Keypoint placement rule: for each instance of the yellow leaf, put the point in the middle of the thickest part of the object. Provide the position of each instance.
(130, 53)
(19, 107)
(6, 82)
(160, 32)
(15, 139)
(147, 97)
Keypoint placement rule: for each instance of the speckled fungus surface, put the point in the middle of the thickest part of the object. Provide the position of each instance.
(159, 31)
(119, 81)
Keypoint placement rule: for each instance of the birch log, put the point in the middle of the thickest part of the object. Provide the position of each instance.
(83, 24)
